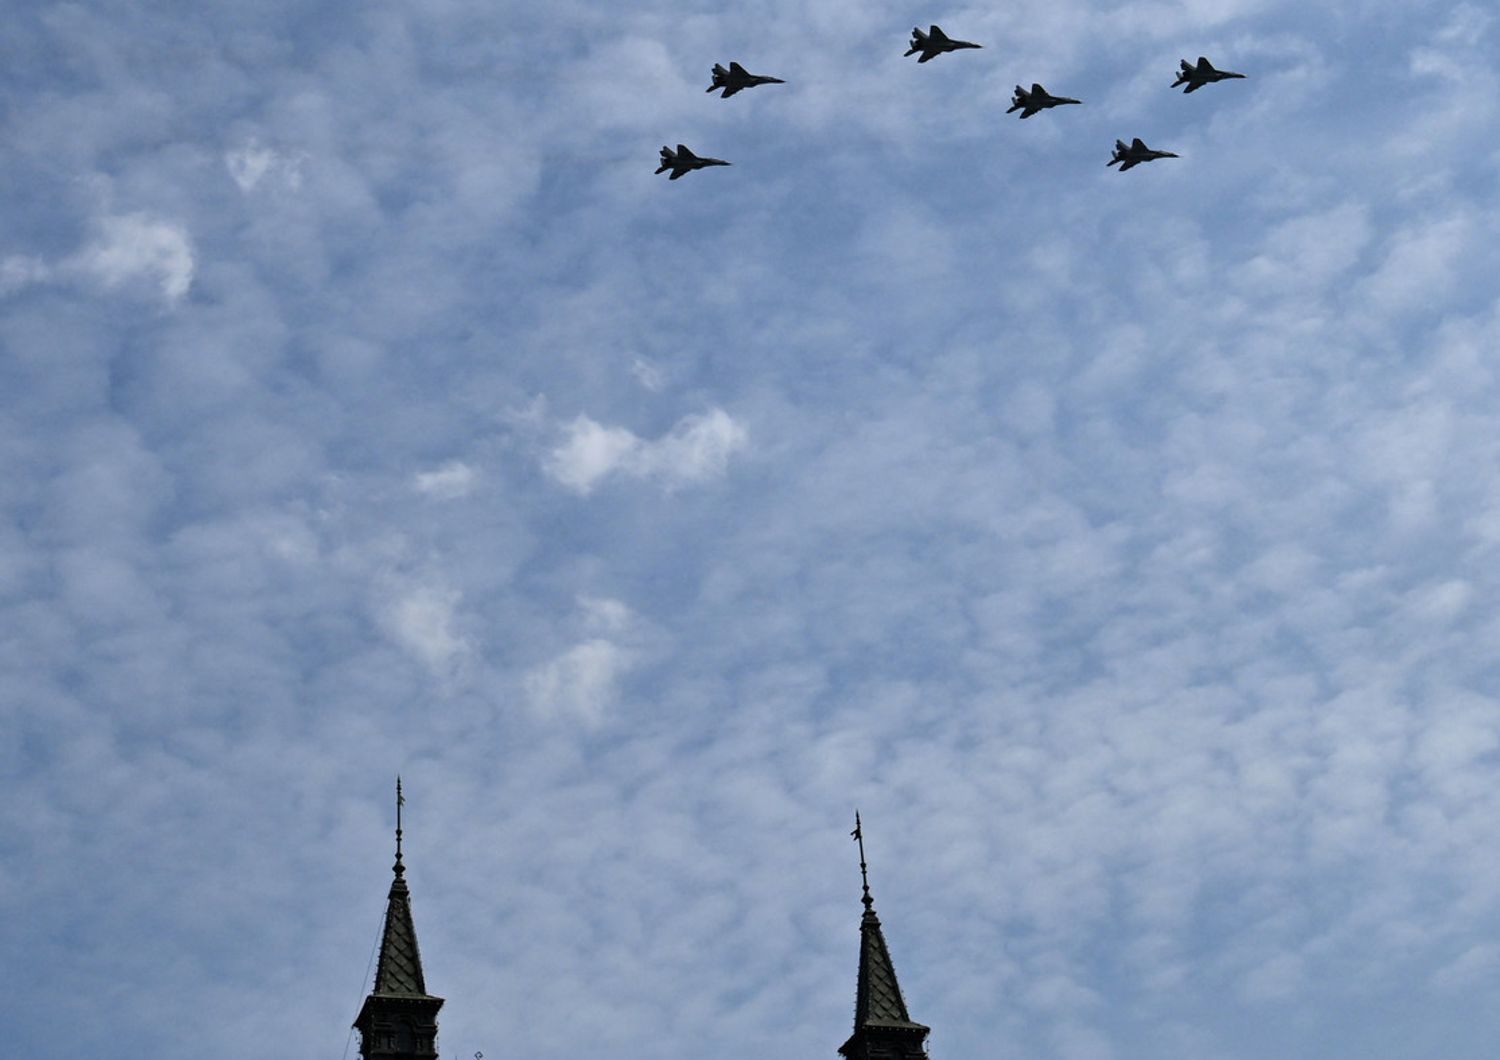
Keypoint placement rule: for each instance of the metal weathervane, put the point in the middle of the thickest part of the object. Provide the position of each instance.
(864, 871)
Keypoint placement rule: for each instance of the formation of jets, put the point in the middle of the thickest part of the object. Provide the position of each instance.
(931, 44)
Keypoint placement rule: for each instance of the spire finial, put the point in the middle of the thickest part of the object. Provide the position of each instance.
(864, 871)
(399, 869)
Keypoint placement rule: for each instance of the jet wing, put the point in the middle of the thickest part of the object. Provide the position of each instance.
(1135, 145)
(1126, 164)
(730, 90)
(738, 70)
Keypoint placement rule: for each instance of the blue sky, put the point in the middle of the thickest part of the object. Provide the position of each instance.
(1123, 546)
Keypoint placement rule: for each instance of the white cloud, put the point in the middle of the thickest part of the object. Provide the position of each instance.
(449, 482)
(649, 374)
(1474, 964)
(421, 619)
(1307, 252)
(580, 683)
(591, 452)
(251, 163)
(18, 271)
(605, 615)
(697, 448)
(137, 246)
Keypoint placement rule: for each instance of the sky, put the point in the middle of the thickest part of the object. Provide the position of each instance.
(1124, 547)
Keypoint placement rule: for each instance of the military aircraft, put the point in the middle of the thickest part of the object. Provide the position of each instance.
(935, 42)
(736, 78)
(1195, 77)
(684, 161)
(1028, 103)
(1135, 154)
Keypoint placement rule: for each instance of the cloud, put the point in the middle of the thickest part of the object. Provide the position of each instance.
(421, 619)
(449, 482)
(140, 247)
(252, 162)
(696, 449)
(17, 272)
(581, 683)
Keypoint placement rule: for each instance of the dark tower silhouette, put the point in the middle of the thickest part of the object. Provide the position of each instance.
(399, 1017)
(882, 1028)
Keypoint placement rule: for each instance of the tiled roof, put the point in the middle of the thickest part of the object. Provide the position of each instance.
(399, 972)
(878, 1002)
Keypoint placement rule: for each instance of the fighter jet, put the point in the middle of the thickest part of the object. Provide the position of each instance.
(684, 161)
(1195, 77)
(935, 42)
(1028, 103)
(736, 78)
(1135, 154)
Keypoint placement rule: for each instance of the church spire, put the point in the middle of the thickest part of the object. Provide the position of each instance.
(399, 1018)
(882, 1026)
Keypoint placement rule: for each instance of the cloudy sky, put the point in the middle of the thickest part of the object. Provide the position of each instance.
(1124, 547)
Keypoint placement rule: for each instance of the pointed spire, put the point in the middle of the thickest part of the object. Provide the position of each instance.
(882, 1025)
(400, 969)
(399, 1017)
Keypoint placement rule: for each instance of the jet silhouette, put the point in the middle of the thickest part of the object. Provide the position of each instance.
(935, 42)
(736, 78)
(1028, 103)
(1135, 154)
(1195, 77)
(684, 161)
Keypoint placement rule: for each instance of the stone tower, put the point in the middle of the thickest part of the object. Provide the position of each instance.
(399, 1018)
(882, 1028)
